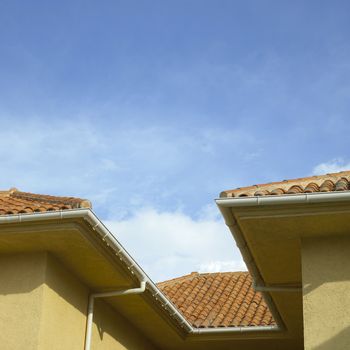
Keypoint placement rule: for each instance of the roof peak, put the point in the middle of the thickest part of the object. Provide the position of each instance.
(14, 201)
(200, 274)
(8, 192)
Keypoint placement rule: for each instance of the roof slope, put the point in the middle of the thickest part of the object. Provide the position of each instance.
(323, 183)
(218, 300)
(15, 202)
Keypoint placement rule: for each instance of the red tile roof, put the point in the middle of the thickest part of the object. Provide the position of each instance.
(218, 300)
(14, 202)
(323, 183)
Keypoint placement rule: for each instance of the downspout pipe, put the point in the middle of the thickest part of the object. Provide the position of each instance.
(93, 296)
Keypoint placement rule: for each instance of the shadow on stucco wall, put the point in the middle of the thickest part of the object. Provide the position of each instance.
(112, 324)
(340, 341)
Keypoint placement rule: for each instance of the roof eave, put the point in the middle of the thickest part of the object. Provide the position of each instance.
(228, 205)
(302, 198)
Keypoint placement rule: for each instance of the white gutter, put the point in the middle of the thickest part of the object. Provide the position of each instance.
(250, 329)
(134, 268)
(92, 298)
(315, 197)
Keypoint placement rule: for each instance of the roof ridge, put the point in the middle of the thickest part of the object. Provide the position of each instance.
(74, 201)
(292, 186)
(6, 193)
(14, 201)
(197, 274)
(179, 279)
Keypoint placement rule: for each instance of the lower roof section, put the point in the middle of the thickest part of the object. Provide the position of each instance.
(218, 300)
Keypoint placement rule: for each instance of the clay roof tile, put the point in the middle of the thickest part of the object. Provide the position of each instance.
(223, 300)
(16, 202)
(322, 183)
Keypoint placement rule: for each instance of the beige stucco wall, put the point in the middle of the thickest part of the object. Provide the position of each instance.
(64, 307)
(326, 293)
(21, 293)
(43, 306)
(113, 332)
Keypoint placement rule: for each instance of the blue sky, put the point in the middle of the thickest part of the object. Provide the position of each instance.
(151, 108)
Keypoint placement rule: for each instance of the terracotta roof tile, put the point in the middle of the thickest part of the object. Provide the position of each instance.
(322, 183)
(218, 300)
(16, 202)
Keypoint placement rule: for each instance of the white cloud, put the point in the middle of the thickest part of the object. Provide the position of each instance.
(222, 266)
(171, 244)
(333, 166)
(119, 168)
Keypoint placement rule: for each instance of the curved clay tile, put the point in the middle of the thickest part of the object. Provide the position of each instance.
(307, 184)
(277, 192)
(342, 184)
(327, 186)
(261, 193)
(218, 300)
(295, 189)
(311, 187)
(14, 201)
(25, 210)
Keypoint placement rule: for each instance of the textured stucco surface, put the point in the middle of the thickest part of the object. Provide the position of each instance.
(326, 296)
(63, 309)
(113, 332)
(43, 306)
(21, 296)
(64, 316)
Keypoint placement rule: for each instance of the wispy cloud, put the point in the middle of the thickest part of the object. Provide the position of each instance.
(332, 166)
(222, 266)
(118, 168)
(169, 244)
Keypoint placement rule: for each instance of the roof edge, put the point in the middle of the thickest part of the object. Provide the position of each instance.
(194, 275)
(315, 197)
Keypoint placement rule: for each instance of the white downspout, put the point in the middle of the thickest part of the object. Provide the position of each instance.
(92, 298)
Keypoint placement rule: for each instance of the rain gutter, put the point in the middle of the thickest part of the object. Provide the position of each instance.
(316, 197)
(225, 330)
